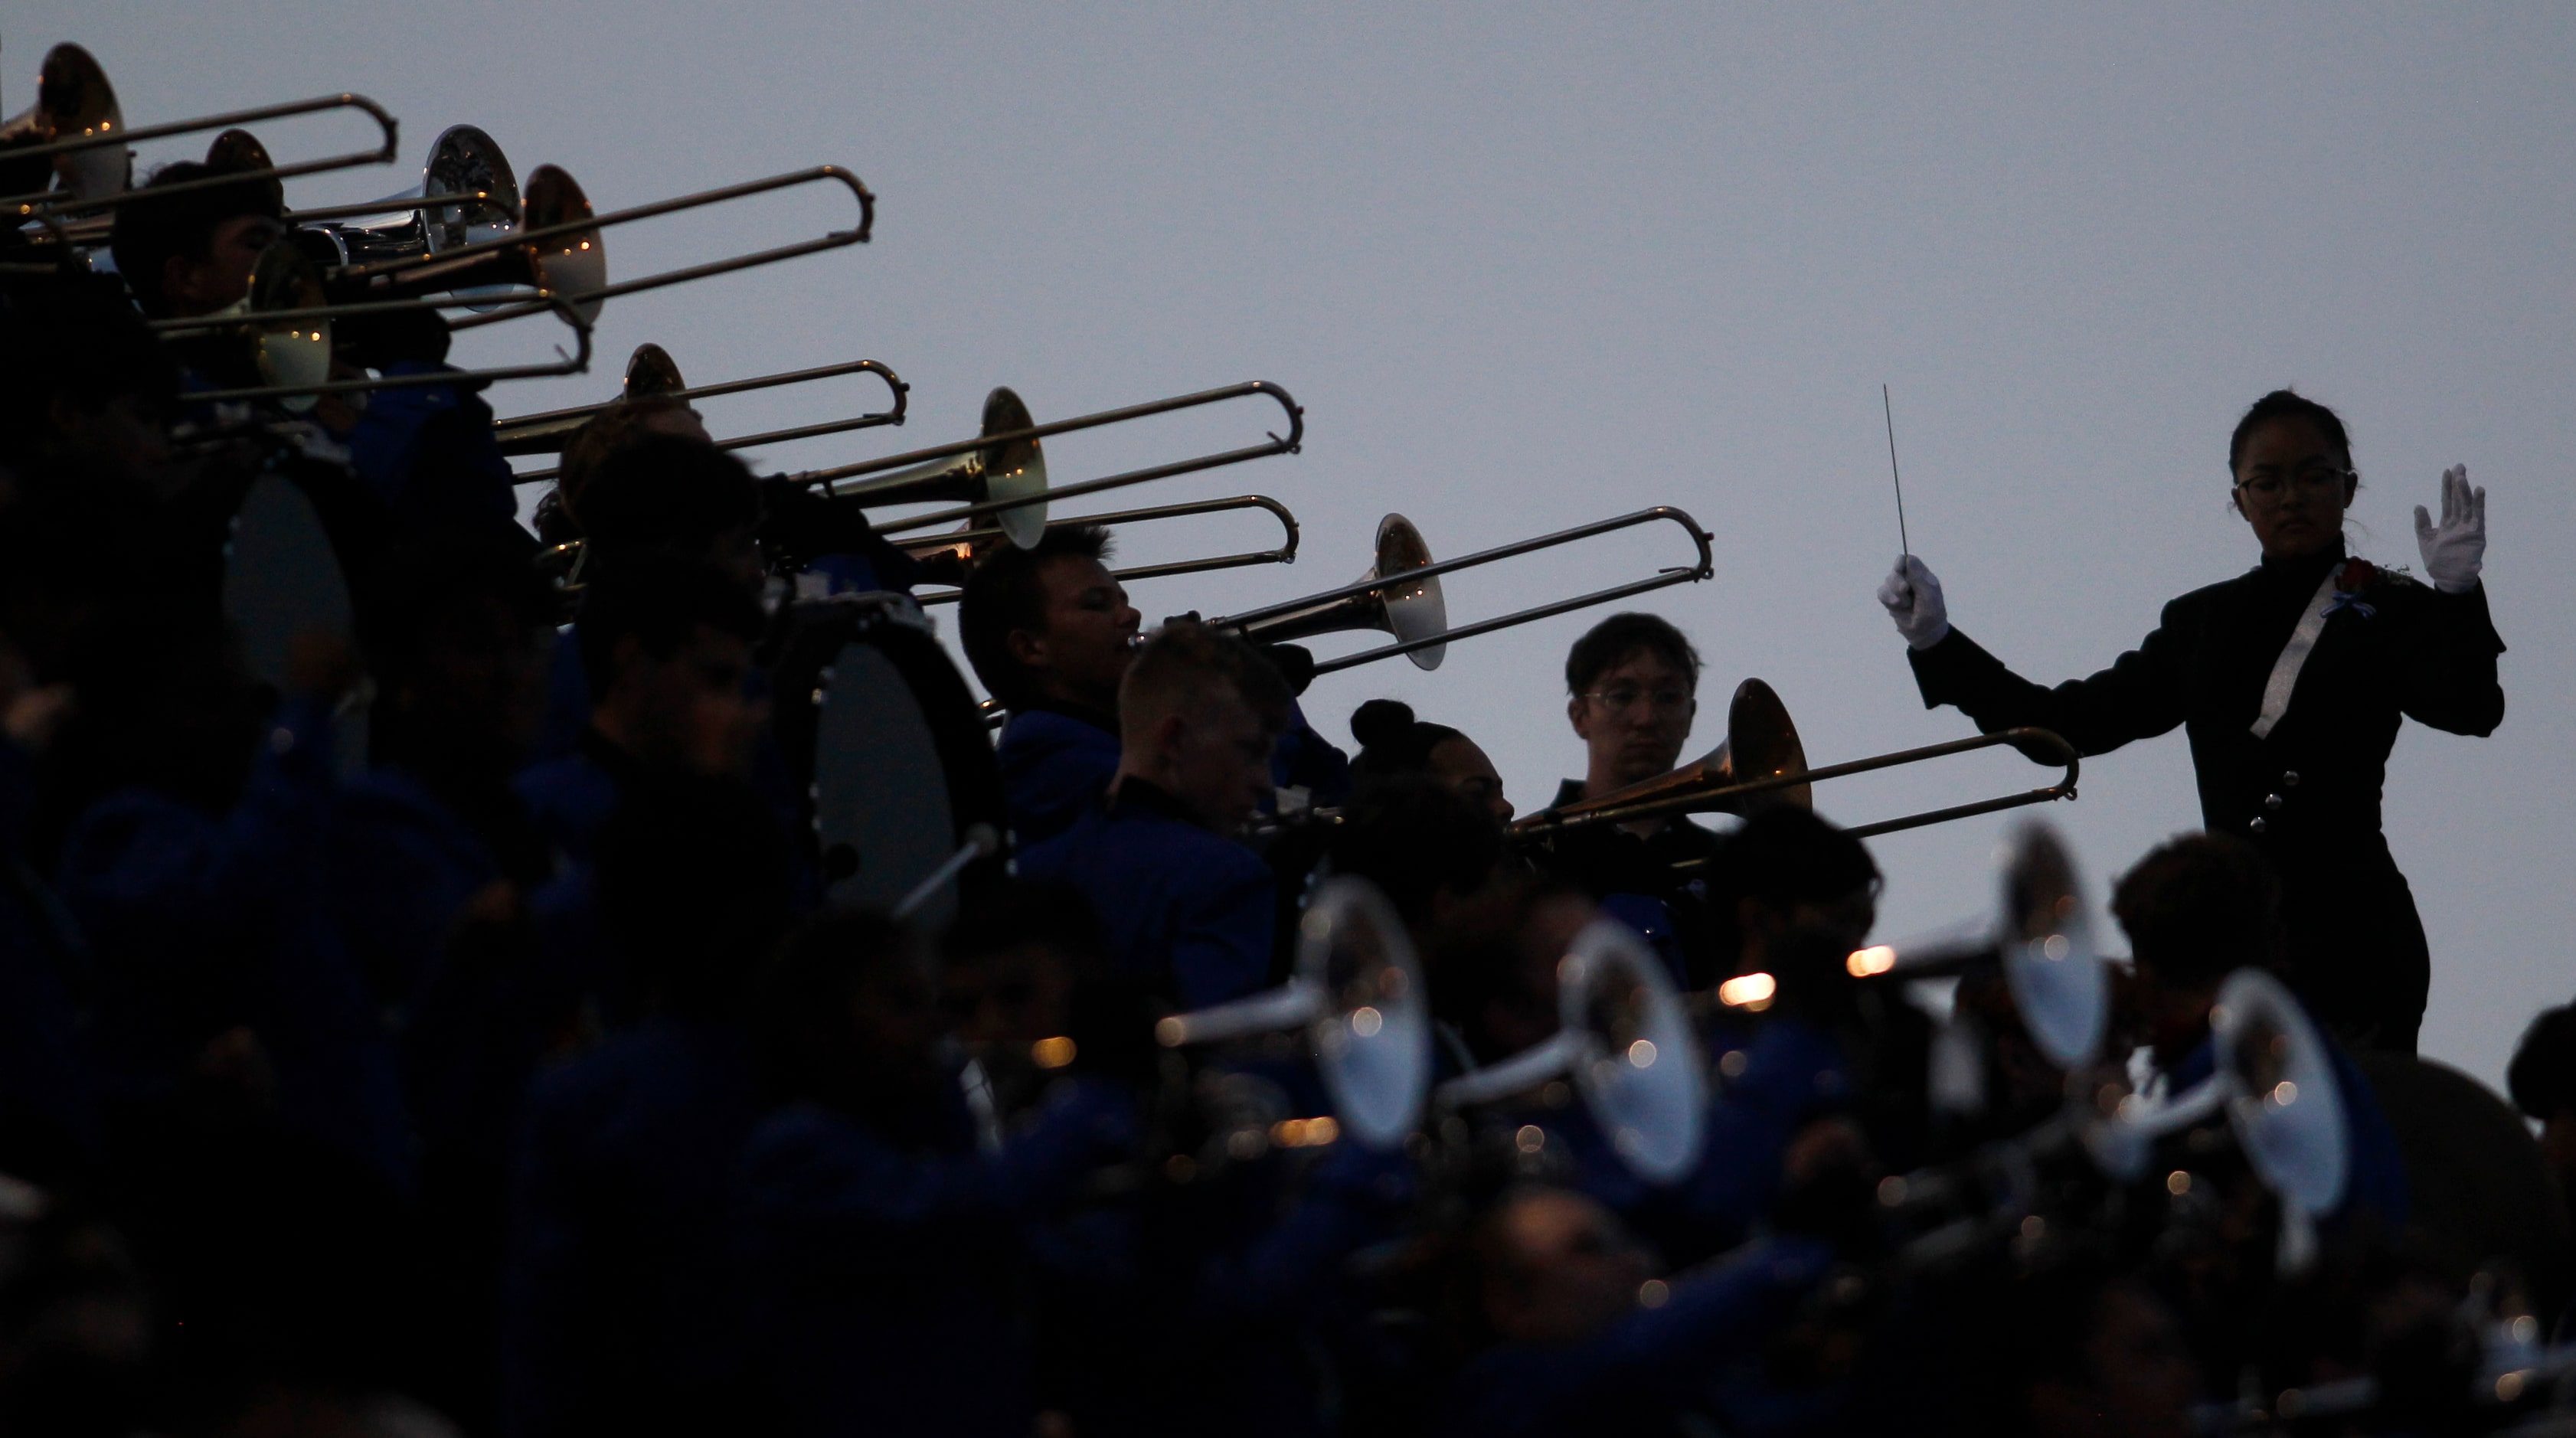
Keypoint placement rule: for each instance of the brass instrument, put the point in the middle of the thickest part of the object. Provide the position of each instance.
(467, 192)
(650, 372)
(922, 480)
(292, 330)
(560, 248)
(1402, 608)
(1762, 757)
(78, 126)
(967, 546)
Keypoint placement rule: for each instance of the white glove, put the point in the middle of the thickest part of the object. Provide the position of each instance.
(2455, 548)
(1913, 599)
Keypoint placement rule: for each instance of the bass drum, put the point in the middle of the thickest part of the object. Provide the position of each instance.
(284, 576)
(887, 747)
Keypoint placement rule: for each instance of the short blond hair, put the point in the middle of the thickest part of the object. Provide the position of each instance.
(1182, 667)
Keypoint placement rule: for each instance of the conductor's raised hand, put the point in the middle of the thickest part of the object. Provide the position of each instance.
(1912, 596)
(2455, 549)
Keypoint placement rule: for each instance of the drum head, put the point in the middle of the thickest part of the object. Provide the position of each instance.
(897, 763)
(282, 578)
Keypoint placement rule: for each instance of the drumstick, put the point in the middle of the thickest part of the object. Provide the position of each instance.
(1905, 546)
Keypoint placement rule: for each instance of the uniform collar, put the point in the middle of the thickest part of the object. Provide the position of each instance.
(1100, 719)
(1135, 796)
(2304, 572)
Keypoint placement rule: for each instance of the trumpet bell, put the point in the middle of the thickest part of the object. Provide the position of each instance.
(651, 371)
(1635, 1060)
(2056, 976)
(2284, 1102)
(1372, 1042)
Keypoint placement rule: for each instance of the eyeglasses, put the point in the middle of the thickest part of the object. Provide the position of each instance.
(2267, 487)
(1623, 696)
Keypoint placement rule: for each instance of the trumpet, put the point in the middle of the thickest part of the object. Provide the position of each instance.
(965, 547)
(651, 373)
(1762, 760)
(921, 480)
(1400, 595)
(81, 130)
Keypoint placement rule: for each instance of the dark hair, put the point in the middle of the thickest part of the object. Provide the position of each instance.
(1022, 912)
(1004, 593)
(429, 589)
(692, 891)
(1188, 658)
(154, 229)
(1609, 643)
(1783, 856)
(659, 600)
(665, 492)
(2542, 1077)
(2285, 404)
(802, 1009)
(2199, 907)
(600, 438)
(1393, 742)
(73, 337)
(1415, 839)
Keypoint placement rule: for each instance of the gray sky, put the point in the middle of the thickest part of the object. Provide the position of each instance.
(1527, 266)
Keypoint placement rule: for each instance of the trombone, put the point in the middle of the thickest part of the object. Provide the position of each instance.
(651, 373)
(101, 126)
(560, 219)
(967, 546)
(1003, 469)
(1401, 595)
(293, 334)
(1761, 760)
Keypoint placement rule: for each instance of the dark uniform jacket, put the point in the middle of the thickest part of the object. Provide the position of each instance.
(1634, 879)
(2307, 793)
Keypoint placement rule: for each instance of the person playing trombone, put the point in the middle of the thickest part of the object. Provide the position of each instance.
(2290, 680)
(1632, 685)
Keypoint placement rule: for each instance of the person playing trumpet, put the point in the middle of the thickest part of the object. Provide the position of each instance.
(2290, 680)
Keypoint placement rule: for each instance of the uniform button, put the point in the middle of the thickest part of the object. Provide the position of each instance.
(2256, 827)
(2272, 802)
(2290, 779)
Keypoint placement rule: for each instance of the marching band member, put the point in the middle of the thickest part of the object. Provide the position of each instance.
(878, 1251)
(2291, 680)
(615, 1302)
(2196, 910)
(1632, 686)
(1572, 1331)
(1394, 744)
(1181, 900)
(1050, 633)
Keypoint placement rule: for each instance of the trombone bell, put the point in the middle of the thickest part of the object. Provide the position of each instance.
(73, 101)
(1012, 469)
(1761, 743)
(1409, 609)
